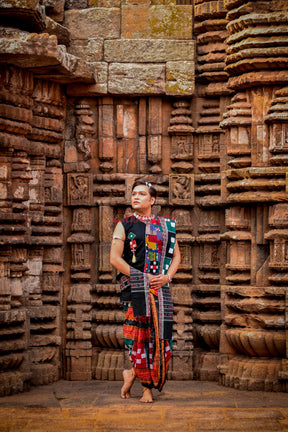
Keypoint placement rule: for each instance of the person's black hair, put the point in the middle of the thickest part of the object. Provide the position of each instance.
(143, 182)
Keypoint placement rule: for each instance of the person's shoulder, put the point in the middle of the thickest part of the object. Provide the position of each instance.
(128, 219)
(170, 223)
(167, 219)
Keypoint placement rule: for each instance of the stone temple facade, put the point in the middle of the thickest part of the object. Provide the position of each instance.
(190, 94)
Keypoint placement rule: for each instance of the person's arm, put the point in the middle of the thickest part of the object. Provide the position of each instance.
(176, 260)
(116, 251)
(160, 280)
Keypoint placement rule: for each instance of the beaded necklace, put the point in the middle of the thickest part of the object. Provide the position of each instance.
(144, 218)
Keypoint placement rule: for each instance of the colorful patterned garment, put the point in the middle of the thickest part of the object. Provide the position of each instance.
(148, 322)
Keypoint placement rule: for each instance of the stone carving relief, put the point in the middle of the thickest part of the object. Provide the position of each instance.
(30, 283)
(80, 189)
(181, 189)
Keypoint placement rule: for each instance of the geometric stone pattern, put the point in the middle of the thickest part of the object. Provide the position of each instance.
(95, 95)
(253, 331)
(32, 126)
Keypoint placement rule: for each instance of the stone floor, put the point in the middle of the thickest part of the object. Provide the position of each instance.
(181, 407)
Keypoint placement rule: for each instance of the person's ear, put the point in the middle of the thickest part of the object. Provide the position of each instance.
(153, 200)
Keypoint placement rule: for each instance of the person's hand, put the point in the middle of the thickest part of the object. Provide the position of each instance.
(158, 281)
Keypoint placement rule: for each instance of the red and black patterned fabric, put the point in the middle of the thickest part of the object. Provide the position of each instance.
(149, 313)
(148, 353)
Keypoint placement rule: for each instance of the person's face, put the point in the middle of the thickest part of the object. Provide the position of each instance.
(141, 198)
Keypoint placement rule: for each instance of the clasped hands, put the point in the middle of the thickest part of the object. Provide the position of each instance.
(156, 282)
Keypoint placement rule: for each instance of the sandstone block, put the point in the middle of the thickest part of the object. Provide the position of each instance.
(148, 50)
(28, 14)
(70, 151)
(24, 4)
(76, 4)
(42, 50)
(3, 172)
(55, 9)
(180, 78)
(104, 3)
(90, 50)
(62, 33)
(158, 22)
(144, 2)
(100, 88)
(136, 79)
(93, 23)
(3, 191)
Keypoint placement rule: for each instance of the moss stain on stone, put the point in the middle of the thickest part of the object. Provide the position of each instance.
(169, 21)
(93, 3)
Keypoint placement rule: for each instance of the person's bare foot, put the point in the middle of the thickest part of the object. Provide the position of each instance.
(147, 396)
(129, 378)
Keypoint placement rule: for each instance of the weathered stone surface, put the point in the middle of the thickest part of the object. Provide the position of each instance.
(156, 22)
(180, 78)
(76, 4)
(55, 9)
(35, 51)
(93, 23)
(104, 3)
(100, 88)
(62, 33)
(29, 15)
(90, 50)
(136, 79)
(21, 4)
(148, 51)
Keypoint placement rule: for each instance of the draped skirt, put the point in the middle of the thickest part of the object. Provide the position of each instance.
(149, 355)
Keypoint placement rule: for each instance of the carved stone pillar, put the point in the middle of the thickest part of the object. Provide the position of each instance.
(106, 134)
(81, 136)
(237, 121)
(105, 235)
(46, 210)
(155, 135)
(107, 315)
(15, 124)
(212, 95)
(182, 360)
(253, 331)
(181, 197)
(79, 348)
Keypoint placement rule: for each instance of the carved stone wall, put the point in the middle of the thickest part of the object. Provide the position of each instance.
(32, 120)
(253, 331)
(193, 96)
(98, 196)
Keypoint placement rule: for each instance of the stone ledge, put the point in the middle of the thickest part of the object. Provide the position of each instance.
(25, 14)
(172, 78)
(41, 54)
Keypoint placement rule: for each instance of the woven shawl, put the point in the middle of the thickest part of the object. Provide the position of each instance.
(139, 282)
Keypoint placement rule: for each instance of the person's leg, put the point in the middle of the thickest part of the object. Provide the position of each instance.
(129, 378)
(137, 337)
(128, 335)
(147, 396)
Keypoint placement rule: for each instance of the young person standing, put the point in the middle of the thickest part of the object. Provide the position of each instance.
(145, 252)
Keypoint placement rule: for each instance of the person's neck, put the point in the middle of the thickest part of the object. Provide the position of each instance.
(143, 213)
(143, 216)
